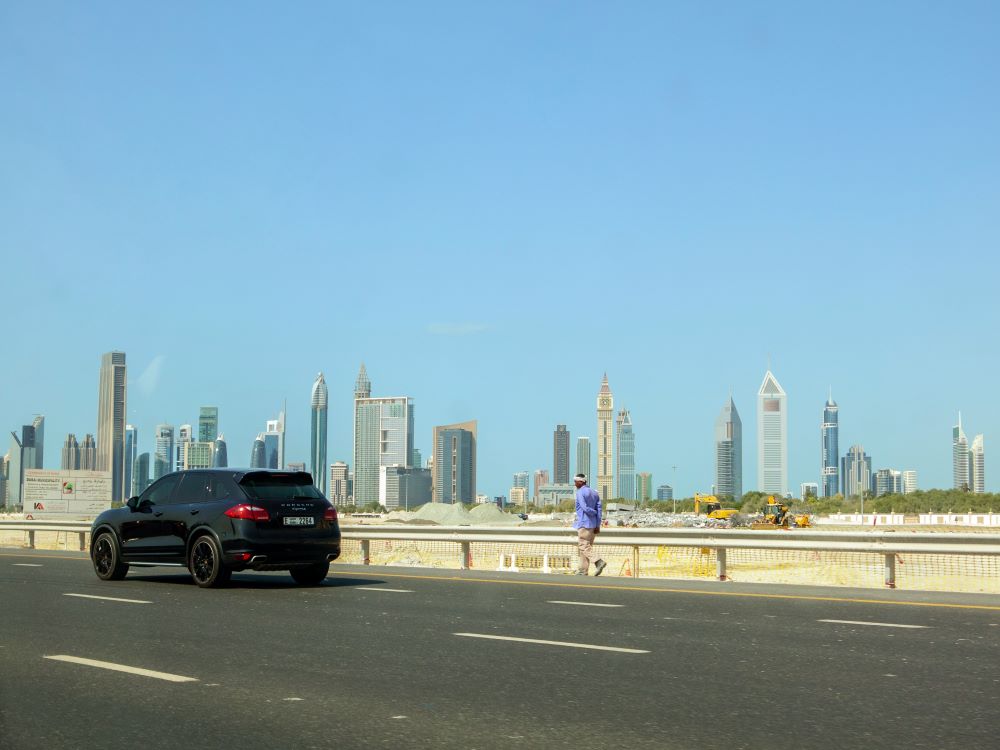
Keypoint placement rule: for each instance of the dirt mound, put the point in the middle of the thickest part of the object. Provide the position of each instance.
(487, 514)
(444, 514)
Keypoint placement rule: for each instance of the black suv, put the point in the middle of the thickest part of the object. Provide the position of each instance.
(217, 521)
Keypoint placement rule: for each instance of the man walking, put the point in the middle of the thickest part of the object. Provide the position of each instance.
(587, 525)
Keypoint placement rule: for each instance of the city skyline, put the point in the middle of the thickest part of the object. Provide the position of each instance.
(969, 460)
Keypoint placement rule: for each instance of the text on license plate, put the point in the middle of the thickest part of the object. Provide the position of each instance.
(300, 521)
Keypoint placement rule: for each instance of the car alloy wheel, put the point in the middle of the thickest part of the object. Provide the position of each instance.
(206, 564)
(106, 558)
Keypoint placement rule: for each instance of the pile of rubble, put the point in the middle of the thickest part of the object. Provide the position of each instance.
(654, 519)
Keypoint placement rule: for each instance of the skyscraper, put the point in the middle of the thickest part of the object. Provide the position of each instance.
(830, 452)
(888, 482)
(772, 437)
(184, 438)
(455, 463)
(220, 455)
(644, 486)
(258, 459)
(856, 470)
(339, 483)
(111, 406)
(522, 480)
(664, 492)
(625, 463)
(88, 453)
(605, 440)
(977, 466)
(131, 447)
(541, 479)
(560, 454)
(208, 424)
(163, 453)
(959, 456)
(140, 473)
(729, 452)
(583, 457)
(22, 456)
(909, 481)
(38, 423)
(199, 455)
(70, 453)
(440, 472)
(274, 442)
(383, 436)
(318, 433)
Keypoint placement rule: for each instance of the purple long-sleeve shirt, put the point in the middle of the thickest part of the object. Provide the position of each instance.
(588, 509)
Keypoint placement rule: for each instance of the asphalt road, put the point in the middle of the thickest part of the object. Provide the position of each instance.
(374, 658)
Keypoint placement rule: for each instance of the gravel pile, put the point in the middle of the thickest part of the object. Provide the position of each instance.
(488, 514)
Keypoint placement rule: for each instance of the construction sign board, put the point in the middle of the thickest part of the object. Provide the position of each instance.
(65, 493)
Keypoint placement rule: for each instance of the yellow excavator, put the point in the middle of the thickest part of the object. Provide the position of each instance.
(776, 516)
(711, 507)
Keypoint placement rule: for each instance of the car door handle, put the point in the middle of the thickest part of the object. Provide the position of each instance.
(195, 512)
(158, 513)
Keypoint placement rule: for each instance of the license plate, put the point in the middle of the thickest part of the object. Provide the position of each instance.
(300, 521)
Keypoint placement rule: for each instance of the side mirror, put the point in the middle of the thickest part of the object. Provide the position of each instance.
(133, 502)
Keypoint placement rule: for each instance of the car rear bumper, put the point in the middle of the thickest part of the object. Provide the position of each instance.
(280, 556)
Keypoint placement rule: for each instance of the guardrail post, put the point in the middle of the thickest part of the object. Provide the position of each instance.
(31, 540)
(720, 563)
(635, 561)
(83, 541)
(890, 570)
(366, 551)
(466, 560)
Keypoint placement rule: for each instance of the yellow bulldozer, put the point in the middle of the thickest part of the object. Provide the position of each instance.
(710, 506)
(777, 516)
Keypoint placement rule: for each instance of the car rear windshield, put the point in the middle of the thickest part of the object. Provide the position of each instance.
(280, 486)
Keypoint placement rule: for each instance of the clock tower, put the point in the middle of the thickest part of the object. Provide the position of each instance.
(605, 441)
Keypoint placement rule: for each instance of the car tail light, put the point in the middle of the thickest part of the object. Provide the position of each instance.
(330, 514)
(248, 512)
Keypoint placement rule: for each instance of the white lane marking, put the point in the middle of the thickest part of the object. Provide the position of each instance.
(122, 668)
(391, 591)
(109, 598)
(876, 624)
(552, 643)
(585, 604)
(26, 565)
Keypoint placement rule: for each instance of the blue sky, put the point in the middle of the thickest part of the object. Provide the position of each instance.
(491, 204)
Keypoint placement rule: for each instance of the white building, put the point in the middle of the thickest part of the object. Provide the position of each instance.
(977, 466)
(772, 437)
(959, 456)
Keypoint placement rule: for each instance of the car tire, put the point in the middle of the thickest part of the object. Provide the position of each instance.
(106, 555)
(205, 563)
(310, 575)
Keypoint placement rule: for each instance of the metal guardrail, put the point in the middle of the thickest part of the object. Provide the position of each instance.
(886, 543)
